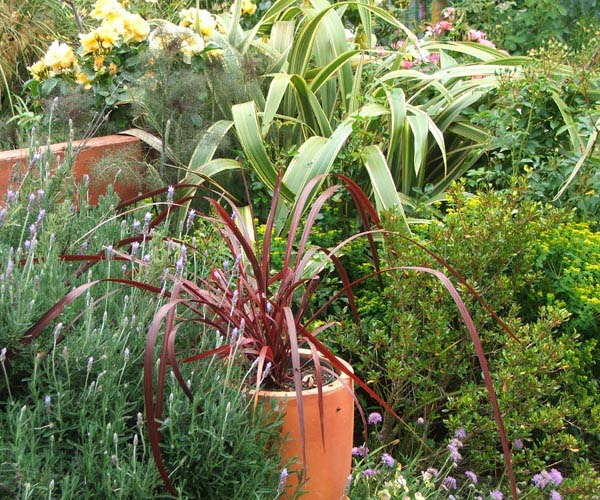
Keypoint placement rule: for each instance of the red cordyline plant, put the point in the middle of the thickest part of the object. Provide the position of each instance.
(264, 316)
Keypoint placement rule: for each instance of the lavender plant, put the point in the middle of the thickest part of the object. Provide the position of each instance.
(72, 422)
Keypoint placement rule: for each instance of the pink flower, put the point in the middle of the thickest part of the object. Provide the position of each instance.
(449, 13)
(406, 64)
(445, 25)
(475, 35)
(380, 51)
(487, 43)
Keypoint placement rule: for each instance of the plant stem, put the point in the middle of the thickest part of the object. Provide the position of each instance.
(71, 4)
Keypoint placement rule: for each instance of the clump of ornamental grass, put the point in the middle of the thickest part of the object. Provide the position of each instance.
(259, 314)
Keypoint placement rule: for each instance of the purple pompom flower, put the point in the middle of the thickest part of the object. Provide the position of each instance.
(388, 460)
(472, 476)
(556, 477)
(454, 453)
(375, 418)
(449, 483)
(360, 451)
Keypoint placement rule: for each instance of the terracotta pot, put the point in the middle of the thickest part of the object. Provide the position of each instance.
(90, 153)
(329, 463)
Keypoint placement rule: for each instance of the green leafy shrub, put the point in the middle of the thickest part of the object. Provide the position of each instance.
(528, 134)
(424, 365)
(521, 25)
(569, 257)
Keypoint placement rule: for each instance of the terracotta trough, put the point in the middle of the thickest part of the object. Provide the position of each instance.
(89, 153)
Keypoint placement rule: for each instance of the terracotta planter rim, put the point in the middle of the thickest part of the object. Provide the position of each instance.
(332, 386)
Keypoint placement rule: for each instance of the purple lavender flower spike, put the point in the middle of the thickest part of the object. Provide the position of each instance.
(31, 201)
(460, 434)
(282, 481)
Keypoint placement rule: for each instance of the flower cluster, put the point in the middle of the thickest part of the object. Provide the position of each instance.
(190, 38)
(94, 57)
(59, 59)
(111, 56)
(446, 25)
(199, 20)
(117, 23)
(545, 478)
(416, 55)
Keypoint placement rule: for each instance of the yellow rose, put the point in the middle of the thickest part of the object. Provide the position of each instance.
(89, 42)
(136, 28)
(107, 35)
(59, 57)
(191, 45)
(112, 69)
(198, 19)
(117, 25)
(38, 70)
(82, 79)
(248, 7)
(107, 9)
